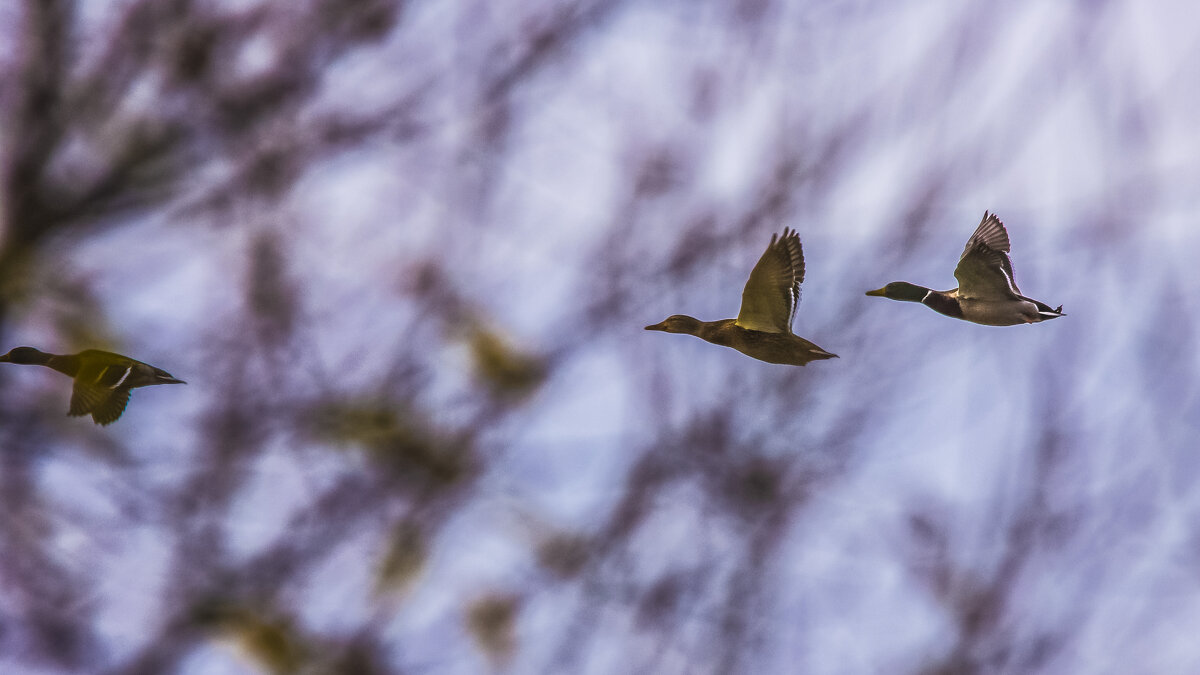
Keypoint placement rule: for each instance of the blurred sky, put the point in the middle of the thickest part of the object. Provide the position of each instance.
(936, 460)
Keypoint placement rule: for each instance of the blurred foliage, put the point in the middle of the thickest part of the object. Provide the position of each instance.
(504, 371)
(403, 252)
(396, 440)
(271, 642)
(272, 293)
(405, 558)
(492, 622)
(564, 555)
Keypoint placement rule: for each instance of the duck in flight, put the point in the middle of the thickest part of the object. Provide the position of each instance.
(763, 328)
(987, 293)
(103, 380)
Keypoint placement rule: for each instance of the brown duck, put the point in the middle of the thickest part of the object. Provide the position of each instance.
(763, 328)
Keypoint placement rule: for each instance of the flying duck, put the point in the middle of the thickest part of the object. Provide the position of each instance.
(763, 328)
(103, 380)
(987, 293)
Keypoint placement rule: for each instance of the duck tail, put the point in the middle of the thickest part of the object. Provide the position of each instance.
(1047, 312)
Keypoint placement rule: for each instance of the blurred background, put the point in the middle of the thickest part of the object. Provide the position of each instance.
(403, 252)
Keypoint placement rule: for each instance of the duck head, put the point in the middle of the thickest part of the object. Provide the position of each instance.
(25, 355)
(163, 377)
(677, 323)
(901, 290)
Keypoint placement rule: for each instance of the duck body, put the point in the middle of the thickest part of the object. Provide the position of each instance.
(782, 348)
(1007, 313)
(1001, 312)
(987, 293)
(103, 380)
(763, 328)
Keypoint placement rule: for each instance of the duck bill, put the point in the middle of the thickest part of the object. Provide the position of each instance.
(658, 326)
(879, 292)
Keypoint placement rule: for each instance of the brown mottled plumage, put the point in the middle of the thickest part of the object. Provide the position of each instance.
(763, 328)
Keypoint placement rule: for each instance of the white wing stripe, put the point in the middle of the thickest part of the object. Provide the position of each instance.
(124, 377)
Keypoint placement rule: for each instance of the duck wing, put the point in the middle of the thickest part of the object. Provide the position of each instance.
(985, 271)
(85, 396)
(112, 407)
(773, 290)
(101, 385)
